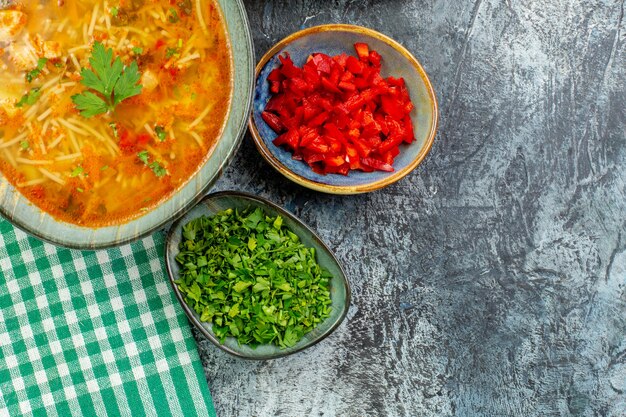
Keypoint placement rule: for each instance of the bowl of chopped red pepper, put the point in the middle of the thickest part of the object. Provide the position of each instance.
(342, 109)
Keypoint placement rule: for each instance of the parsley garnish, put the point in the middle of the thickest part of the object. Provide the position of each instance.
(108, 77)
(160, 132)
(80, 190)
(143, 157)
(24, 145)
(77, 171)
(33, 74)
(137, 50)
(252, 277)
(29, 98)
(173, 16)
(104, 168)
(158, 170)
(114, 11)
(170, 52)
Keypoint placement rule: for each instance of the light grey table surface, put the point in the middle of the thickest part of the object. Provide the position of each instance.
(491, 281)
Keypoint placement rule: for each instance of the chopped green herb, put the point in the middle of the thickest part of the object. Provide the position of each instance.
(173, 16)
(29, 98)
(158, 170)
(160, 132)
(252, 277)
(193, 96)
(33, 74)
(137, 50)
(77, 171)
(143, 157)
(58, 64)
(170, 52)
(24, 145)
(110, 79)
(80, 190)
(114, 11)
(104, 168)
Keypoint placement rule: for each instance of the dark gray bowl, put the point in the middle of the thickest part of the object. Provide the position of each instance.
(339, 286)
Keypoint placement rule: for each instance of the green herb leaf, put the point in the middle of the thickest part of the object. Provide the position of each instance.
(89, 104)
(106, 70)
(33, 74)
(24, 145)
(143, 157)
(77, 171)
(160, 132)
(108, 77)
(29, 98)
(158, 170)
(114, 11)
(241, 286)
(170, 52)
(137, 50)
(80, 190)
(127, 85)
(173, 16)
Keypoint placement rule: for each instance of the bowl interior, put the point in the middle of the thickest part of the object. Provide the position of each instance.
(339, 287)
(335, 41)
(30, 218)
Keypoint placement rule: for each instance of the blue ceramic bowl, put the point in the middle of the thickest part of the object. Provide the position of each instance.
(339, 286)
(19, 211)
(397, 62)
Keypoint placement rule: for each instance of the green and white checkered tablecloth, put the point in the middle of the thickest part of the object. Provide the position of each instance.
(93, 333)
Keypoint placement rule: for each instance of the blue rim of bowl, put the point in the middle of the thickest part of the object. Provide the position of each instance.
(241, 130)
(267, 154)
(209, 335)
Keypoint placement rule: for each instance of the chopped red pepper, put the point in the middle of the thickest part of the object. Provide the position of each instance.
(362, 50)
(273, 121)
(143, 139)
(375, 58)
(131, 144)
(338, 113)
(377, 164)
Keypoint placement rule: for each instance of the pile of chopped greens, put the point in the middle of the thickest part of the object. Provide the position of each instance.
(251, 277)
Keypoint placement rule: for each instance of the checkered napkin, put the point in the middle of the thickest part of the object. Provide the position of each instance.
(93, 333)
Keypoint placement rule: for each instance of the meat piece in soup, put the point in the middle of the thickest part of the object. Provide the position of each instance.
(109, 107)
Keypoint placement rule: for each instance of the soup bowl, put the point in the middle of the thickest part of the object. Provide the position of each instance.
(18, 210)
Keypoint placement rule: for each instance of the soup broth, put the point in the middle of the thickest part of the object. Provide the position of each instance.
(108, 107)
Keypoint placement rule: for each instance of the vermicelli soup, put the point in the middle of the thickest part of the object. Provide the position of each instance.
(108, 107)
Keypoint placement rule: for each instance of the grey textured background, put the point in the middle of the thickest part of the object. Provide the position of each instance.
(491, 281)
